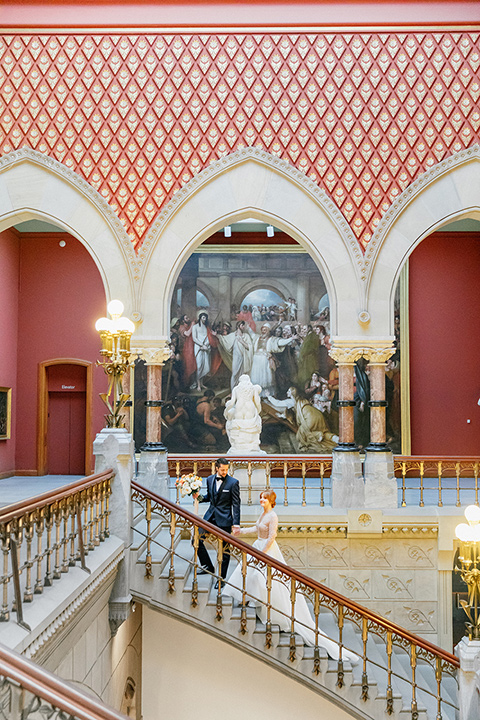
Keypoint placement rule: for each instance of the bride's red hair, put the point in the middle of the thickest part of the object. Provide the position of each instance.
(271, 496)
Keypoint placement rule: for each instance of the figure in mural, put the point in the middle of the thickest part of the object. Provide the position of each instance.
(206, 429)
(200, 345)
(236, 350)
(242, 412)
(262, 371)
(313, 433)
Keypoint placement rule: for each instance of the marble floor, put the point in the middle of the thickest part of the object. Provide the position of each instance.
(16, 488)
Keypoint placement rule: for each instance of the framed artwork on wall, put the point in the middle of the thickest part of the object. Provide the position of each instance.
(5, 412)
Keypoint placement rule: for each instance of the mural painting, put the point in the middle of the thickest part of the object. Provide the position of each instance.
(265, 314)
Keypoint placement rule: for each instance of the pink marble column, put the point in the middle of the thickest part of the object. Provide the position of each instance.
(377, 405)
(345, 358)
(153, 405)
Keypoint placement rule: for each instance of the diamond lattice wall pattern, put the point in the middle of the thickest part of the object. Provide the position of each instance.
(138, 116)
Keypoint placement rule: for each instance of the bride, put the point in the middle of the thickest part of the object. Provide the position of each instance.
(256, 586)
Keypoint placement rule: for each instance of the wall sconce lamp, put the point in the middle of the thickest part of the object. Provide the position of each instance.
(467, 562)
(115, 334)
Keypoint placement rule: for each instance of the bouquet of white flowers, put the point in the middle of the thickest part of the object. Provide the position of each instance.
(188, 484)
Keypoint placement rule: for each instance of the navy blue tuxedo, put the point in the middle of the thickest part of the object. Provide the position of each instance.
(223, 511)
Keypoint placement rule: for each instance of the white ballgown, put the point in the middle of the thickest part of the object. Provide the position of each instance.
(256, 588)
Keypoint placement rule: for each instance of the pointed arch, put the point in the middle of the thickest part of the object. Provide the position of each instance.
(449, 191)
(35, 186)
(250, 183)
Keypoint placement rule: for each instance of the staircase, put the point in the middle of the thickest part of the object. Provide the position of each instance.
(397, 674)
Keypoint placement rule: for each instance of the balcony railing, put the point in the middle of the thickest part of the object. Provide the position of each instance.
(42, 537)
(28, 692)
(306, 480)
(376, 641)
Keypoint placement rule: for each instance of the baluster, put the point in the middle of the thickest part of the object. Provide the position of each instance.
(422, 470)
(195, 468)
(268, 625)
(322, 485)
(102, 487)
(212, 468)
(5, 541)
(65, 538)
(404, 473)
(340, 671)
(96, 496)
(194, 602)
(249, 474)
(316, 652)
(48, 549)
(293, 645)
(364, 672)
(177, 478)
(85, 521)
(389, 692)
(107, 511)
(220, 551)
(243, 616)
(304, 489)
(440, 501)
(268, 471)
(39, 526)
(171, 572)
(148, 556)
(28, 525)
(457, 472)
(71, 511)
(413, 664)
(91, 524)
(58, 520)
(438, 678)
(475, 471)
(285, 476)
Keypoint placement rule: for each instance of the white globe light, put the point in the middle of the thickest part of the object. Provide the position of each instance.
(472, 513)
(125, 325)
(103, 324)
(464, 532)
(115, 308)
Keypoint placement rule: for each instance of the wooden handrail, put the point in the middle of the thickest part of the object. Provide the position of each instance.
(15, 510)
(49, 687)
(299, 577)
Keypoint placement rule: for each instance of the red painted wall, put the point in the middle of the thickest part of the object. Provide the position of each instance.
(445, 345)
(61, 294)
(9, 272)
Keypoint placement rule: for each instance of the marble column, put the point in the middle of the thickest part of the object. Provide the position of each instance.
(303, 299)
(153, 465)
(380, 482)
(347, 478)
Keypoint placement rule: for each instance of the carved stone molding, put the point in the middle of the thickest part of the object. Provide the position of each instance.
(16, 157)
(313, 530)
(319, 196)
(66, 616)
(410, 194)
(348, 355)
(378, 356)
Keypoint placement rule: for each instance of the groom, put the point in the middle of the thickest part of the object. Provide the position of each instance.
(223, 494)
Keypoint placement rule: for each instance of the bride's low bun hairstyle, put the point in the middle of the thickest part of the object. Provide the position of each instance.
(270, 495)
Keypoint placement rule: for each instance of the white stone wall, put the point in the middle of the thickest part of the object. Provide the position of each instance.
(190, 674)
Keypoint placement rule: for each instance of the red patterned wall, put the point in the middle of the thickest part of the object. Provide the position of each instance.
(139, 115)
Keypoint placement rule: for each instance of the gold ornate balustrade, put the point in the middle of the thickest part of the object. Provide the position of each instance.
(28, 692)
(442, 481)
(305, 480)
(299, 476)
(372, 630)
(42, 537)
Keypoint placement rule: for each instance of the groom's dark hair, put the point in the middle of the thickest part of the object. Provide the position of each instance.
(221, 461)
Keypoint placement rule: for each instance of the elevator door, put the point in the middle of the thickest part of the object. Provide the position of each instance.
(66, 420)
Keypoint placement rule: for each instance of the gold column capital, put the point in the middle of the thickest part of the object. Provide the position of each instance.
(345, 355)
(378, 356)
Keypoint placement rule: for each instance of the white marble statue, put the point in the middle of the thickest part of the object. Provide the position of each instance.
(244, 424)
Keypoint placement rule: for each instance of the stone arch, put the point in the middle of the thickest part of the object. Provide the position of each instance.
(449, 191)
(250, 183)
(34, 186)
(277, 286)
